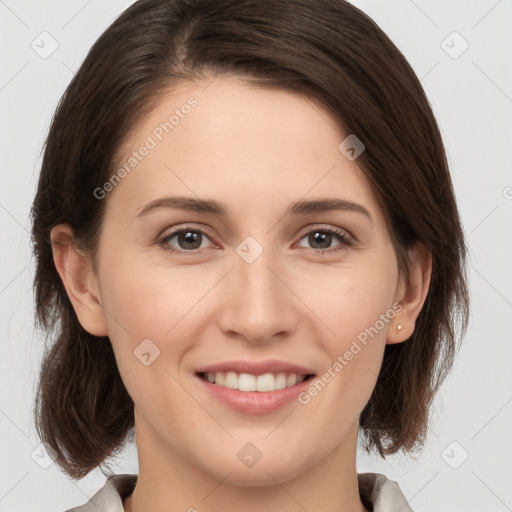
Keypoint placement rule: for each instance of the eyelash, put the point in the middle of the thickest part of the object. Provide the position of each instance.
(346, 242)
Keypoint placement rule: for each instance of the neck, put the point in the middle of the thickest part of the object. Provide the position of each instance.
(169, 482)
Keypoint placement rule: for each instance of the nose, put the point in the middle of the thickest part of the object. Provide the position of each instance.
(257, 303)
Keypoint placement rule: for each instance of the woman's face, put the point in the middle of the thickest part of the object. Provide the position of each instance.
(302, 287)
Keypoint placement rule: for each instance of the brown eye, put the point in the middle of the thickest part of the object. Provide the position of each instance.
(321, 240)
(188, 240)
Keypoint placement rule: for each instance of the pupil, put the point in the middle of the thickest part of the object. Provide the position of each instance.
(189, 237)
(322, 236)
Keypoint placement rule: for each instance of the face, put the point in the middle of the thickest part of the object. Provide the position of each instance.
(184, 289)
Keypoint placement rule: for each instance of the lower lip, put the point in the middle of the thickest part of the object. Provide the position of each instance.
(255, 402)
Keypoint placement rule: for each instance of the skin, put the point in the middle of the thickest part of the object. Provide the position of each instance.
(256, 150)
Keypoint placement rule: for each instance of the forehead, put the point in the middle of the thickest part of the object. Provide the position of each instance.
(248, 146)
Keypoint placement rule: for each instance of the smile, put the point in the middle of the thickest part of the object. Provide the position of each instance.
(247, 382)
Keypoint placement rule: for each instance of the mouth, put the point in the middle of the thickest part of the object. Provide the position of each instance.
(264, 383)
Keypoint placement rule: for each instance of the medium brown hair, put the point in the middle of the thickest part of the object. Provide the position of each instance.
(326, 50)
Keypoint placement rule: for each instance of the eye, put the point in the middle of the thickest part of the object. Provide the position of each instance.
(324, 237)
(188, 239)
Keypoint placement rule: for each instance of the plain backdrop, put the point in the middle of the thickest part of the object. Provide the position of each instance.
(465, 465)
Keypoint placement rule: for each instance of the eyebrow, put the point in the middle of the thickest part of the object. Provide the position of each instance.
(210, 206)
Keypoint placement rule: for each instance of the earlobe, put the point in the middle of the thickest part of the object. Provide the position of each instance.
(411, 294)
(75, 270)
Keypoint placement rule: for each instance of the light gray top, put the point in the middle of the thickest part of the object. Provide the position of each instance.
(376, 491)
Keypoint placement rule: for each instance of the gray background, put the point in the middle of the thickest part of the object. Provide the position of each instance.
(471, 95)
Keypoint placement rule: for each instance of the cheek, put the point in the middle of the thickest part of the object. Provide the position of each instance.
(143, 302)
(357, 306)
(148, 316)
(145, 291)
(350, 301)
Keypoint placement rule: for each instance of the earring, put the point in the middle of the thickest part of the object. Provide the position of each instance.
(399, 327)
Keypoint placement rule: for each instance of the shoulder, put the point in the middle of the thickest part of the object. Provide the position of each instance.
(109, 497)
(382, 494)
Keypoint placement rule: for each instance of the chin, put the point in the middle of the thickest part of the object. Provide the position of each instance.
(265, 472)
(251, 477)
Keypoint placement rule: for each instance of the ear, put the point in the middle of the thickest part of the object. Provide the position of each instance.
(411, 294)
(75, 270)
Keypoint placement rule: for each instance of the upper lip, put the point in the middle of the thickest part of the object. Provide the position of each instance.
(256, 367)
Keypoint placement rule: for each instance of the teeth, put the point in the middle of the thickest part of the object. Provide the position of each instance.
(291, 380)
(247, 382)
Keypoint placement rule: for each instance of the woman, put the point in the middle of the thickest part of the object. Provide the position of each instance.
(245, 363)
